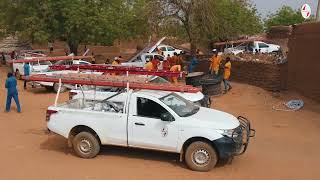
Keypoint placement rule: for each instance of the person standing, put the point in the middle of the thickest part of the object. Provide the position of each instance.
(26, 69)
(12, 55)
(226, 76)
(215, 63)
(193, 64)
(3, 57)
(12, 92)
(50, 46)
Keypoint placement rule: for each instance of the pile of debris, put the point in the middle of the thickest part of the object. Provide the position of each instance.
(273, 58)
(12, 43)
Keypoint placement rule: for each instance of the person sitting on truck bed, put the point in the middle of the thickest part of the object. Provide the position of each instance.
(155, 63)
(175, 68)
(148, 66)
(173, 60)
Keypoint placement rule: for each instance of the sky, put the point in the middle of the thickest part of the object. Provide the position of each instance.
(266, 6)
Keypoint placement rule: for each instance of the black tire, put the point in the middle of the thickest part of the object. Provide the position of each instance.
(86, 145)
(48, 88)
(56, 87)
(201, 151)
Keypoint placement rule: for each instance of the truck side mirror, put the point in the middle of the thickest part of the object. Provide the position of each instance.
(167, 117)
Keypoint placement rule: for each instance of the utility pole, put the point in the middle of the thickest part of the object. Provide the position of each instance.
(318, 12)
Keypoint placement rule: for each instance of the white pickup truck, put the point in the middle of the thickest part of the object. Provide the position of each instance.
(253, 46)
(155, 120)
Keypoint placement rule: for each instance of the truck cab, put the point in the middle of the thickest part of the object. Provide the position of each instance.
(156, 120)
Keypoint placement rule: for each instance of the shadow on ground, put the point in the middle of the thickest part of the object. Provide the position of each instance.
(59, 144)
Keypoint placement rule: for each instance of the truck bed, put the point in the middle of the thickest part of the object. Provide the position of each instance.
(93, 105)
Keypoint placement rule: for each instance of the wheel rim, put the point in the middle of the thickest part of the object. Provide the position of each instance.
(201, 157)
(85, 146)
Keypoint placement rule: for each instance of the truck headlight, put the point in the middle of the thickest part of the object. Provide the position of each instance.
(226, 132)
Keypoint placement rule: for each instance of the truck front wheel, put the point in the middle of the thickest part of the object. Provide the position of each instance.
(86, 145)
(201, 156)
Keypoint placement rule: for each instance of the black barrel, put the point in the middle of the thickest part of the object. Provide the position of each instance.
(211, 86)
(194, 78)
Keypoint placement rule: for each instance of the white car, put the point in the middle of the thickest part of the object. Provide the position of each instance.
(155, 120)
(168, 50)
(35, 67)
(100, 93)
(262, 47)
(74, 62)
(140, 61)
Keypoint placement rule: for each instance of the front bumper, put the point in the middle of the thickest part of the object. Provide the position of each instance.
(237, 144)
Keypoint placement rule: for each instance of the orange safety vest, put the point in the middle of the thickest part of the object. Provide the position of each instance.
(227, 70)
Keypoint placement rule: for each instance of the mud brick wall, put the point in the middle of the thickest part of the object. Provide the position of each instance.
(304, 60)
(269, 76)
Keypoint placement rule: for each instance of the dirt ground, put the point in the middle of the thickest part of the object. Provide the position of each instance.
(286, 145)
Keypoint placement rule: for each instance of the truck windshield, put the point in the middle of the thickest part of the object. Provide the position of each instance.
(179, 105)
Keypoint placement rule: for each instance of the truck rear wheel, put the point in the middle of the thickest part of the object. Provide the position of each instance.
(201, 156)
(86, 145)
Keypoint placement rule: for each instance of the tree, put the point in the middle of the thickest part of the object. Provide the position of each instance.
(74, 21)
(284, 16)
(207, 20)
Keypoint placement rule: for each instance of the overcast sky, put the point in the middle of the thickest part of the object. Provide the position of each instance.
(266, 6)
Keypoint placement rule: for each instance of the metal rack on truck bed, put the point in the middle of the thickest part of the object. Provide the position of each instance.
(118, 70)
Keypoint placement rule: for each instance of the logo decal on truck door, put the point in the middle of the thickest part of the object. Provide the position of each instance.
(164, 131)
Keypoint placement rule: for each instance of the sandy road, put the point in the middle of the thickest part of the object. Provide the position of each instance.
(286, 146)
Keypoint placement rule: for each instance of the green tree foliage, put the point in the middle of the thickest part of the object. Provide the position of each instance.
(103, 21)
(284, 16)
(74, 21)
(208, 20)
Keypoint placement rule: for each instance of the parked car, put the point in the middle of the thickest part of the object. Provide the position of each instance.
(156, 120)
(259, 46)
(253, 46)
(142, 59)
(168, 50)
(74, 62)
(35, 67)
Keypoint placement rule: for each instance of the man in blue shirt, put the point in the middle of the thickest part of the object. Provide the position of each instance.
(11, 85)
(26, 69)
(193, 64)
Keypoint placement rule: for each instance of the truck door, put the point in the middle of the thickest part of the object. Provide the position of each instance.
(147, 130)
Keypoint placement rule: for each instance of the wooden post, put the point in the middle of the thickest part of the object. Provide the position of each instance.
(318, 12)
